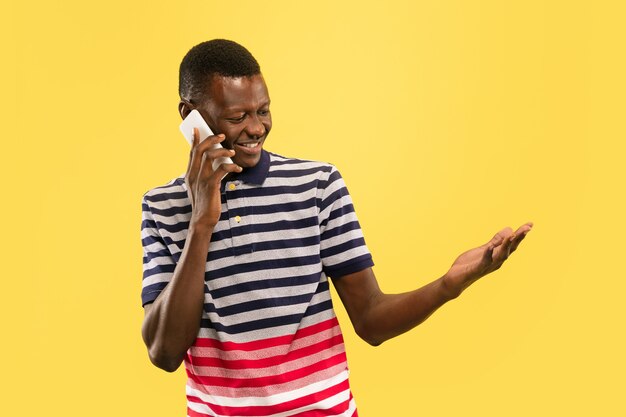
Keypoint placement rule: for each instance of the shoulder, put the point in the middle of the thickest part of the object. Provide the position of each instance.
(172, 190)
(282, 166)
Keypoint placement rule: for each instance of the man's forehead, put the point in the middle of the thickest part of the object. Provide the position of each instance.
(234, 90)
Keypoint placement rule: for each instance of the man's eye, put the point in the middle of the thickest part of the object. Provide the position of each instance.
(237, 119)
(263, 112)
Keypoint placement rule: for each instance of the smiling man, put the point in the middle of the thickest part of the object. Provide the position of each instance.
(237, 261)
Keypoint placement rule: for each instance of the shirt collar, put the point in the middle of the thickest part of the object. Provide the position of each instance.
(256, 174)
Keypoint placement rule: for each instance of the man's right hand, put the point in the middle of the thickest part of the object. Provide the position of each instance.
(203, 184)
(172, 321)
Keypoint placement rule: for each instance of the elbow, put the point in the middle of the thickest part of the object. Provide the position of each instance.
(368, 335)
(374, 342)
(162, 360)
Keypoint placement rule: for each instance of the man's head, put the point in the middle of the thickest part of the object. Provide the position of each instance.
(223, 81)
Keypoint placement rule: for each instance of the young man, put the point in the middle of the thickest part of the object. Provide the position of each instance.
(237, 261)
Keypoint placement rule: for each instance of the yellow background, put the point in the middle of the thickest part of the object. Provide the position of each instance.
(449, 120)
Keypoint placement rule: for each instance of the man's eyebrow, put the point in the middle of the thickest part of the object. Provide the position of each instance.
(237, 108)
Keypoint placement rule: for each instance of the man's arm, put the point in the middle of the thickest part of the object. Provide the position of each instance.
(377, 317)
(172, 321)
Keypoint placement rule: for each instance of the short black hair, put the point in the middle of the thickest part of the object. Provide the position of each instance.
(214, 57)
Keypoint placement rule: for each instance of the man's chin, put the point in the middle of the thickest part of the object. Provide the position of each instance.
(247, 161)
(246, 157)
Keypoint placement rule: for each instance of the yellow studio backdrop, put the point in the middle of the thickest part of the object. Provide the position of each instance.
(449, 120)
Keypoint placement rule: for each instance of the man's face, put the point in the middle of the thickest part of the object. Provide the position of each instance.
(239, 108)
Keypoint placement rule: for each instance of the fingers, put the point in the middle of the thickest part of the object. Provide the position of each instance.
(200, 149)
(520, 234)
(488, 254)
(194, 143)
(196, 137)
(496, 240)
(501, 243)
(224, 169)
(511, 241)
(505, 233)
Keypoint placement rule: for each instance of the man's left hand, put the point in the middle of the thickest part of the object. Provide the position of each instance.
(478, 262)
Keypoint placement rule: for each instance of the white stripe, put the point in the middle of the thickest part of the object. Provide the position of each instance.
(343, 201)
(342, 238)
(156, 278)
(252, 276)
(263, 255)
(300, 165)
(267, 352)
(158, 261)
(292, 181)
(266, 313)
(340, 221)
(272, 293)
(344, 256)
(270, 400)
(154, 246)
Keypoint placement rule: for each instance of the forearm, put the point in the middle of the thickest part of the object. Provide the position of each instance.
(172, 322)
(390, 315)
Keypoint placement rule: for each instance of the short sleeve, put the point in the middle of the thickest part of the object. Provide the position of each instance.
(158, 263)
(342, 245)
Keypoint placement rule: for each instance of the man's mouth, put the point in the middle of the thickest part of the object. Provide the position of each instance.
(250, 148)
(250, 144)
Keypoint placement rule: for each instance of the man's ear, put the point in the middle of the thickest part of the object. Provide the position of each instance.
(184, 108)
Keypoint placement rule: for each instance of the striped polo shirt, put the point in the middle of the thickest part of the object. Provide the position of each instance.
(269, 343)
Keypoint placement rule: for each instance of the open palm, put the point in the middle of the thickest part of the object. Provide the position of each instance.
(478, 262)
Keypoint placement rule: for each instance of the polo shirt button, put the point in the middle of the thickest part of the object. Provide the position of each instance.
(231, 186)
(237, 219)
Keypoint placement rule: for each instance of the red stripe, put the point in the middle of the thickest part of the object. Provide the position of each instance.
(270, 389)
(307, 400)
(192, 413)
(271, 361)
(266, 343)
(268, 380)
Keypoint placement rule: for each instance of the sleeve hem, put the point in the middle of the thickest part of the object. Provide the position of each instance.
(149, 297)
(350, 268)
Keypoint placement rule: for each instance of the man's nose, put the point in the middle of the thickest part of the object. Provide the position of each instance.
(255, 128)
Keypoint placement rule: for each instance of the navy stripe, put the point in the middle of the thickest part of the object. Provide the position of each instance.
(285, 207)
(349, 267)
(151, 292)
(267, 322)
(276, 226)
(174, 228)
(337, 213)
(263, 265)
(269, 245)
(158, 254)
(279, 190)
(332, 198)
(264, 285)
(159, 269)
(149, 240)
(260, 304)
(148, 223)
(343, 247)
(172, 211)
(291, 161)
(175, 195)
(328, 233)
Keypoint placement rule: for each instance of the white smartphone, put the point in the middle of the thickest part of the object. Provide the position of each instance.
(195, 119)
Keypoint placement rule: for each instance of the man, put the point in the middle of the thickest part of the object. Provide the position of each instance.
(237, 260)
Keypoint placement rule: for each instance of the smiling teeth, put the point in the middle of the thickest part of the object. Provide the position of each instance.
(251, 145)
